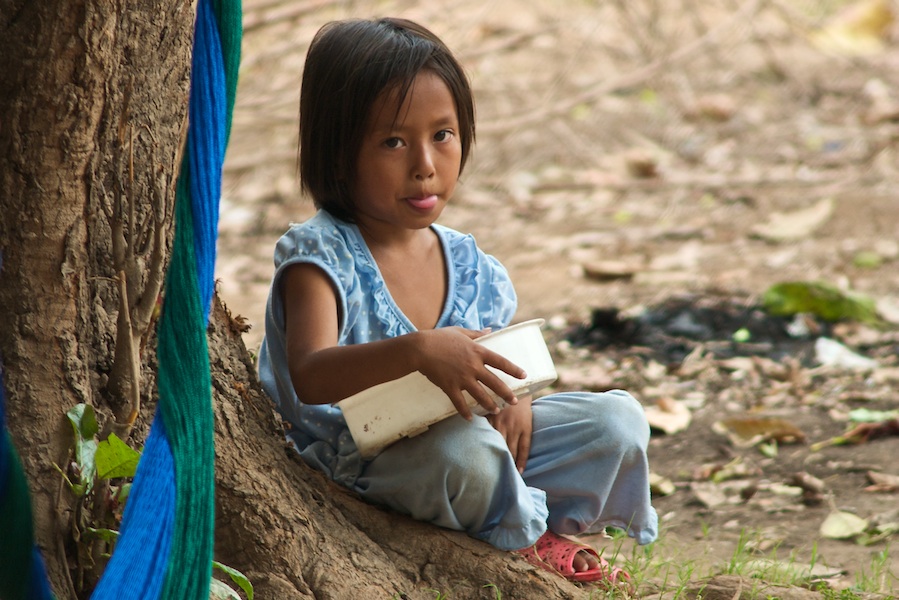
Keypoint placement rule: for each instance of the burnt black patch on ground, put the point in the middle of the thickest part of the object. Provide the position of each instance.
(725, 327)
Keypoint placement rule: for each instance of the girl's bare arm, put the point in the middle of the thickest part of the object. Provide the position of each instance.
(323, 372)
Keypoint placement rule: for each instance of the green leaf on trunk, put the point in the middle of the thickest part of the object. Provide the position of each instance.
(115, 458)
(221, 591)
(84, 424)
(237, 577)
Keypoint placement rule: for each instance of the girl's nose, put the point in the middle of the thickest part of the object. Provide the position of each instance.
(423, 167)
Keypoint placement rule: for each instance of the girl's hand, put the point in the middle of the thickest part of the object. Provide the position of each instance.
(516, 424)
(454, 363)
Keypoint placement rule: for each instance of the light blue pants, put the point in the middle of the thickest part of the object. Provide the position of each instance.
(587, 469)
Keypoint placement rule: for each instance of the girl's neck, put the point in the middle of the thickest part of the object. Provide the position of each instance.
(392, 240)
(414, 271)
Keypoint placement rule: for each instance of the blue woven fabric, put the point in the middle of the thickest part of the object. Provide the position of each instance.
(138, 565)
(206, 146)
(38, 585)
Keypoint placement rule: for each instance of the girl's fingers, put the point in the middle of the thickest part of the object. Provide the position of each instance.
(524, 450)
(499, 388)
(461, 405)
(497, 361)
(513, 449)
(474, 333)
(482, 397)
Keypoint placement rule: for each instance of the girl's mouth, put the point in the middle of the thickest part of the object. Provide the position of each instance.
(424, 203)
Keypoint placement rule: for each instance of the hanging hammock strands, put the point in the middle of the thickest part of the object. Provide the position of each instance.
(165, 549)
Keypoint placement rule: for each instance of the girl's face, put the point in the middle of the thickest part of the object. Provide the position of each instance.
(409, 159)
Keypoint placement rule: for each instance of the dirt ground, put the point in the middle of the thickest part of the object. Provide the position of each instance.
(629, 154)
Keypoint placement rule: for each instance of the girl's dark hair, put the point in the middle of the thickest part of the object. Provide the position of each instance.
(348, 65)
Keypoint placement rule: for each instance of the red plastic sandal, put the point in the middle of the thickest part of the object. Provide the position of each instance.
(556, 554)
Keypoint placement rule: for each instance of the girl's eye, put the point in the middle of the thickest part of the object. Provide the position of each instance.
(393, 142)
(444, 135)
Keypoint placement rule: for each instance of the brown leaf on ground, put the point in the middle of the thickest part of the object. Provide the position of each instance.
(866, 432)
(641, 163)
(717, 472)
(608, 270)
(808, 482)
(812, 488)
(882, 482)
(749, 431)
(782, 226)
(668, 415)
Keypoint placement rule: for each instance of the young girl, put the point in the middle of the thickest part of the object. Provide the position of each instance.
(371, 289)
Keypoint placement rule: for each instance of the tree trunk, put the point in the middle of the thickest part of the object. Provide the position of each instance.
(93, 98)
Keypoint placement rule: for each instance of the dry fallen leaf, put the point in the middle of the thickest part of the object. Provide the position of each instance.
(738, 363)
(735, 469)
(718, 494)
(660, 486)
(668, 415)
(714, 107)
(608, 270)
(590, 376)
(795, 225)
(841, 525)
(882, 482)
(869, 431)
(883, 106)
(808, 482)
(859, 29)
(794, 570)
(641, 163)
(749, 431)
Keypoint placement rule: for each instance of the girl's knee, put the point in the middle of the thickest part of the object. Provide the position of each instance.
(472, 458)
(617, 418)
(628, 411)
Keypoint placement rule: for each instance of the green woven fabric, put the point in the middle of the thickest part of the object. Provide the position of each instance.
(185, 382)
(228, 14)
(16, 529)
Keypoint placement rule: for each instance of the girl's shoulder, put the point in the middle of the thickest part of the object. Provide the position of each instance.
(322, 228)
(322, 224)
(321, 238)
(456, 239)
(462, 247)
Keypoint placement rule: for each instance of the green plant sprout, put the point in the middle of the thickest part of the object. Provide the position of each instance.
(99, 476)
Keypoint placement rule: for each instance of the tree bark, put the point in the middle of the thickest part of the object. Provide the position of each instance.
(93, 98)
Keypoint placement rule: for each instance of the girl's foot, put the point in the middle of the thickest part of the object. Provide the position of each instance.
(584, 561)
(574, 561)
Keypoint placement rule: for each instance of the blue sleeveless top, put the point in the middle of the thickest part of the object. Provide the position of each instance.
(479, 295)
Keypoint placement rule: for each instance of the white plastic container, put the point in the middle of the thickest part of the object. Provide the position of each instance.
(407, 406)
